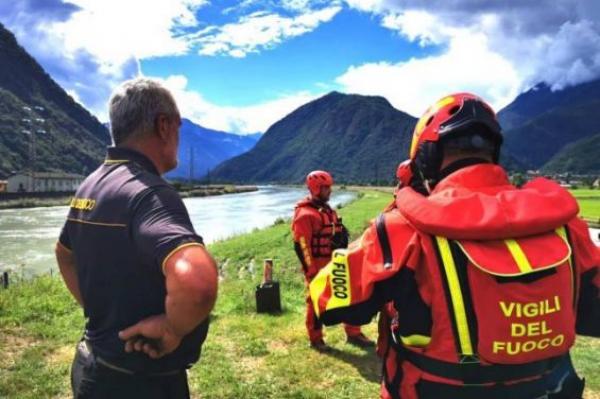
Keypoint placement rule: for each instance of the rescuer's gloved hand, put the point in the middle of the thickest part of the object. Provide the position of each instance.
(340, 239)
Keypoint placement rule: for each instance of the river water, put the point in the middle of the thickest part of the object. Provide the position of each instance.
(28, 236)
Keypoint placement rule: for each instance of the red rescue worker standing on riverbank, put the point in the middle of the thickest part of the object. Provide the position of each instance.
(317, 232)
(491, 282)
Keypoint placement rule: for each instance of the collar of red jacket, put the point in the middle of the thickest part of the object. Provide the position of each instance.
(309, 201)
(479, 203)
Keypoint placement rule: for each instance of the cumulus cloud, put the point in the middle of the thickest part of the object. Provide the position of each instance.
(411, 86)
(259, 30)
(90, 46)
(249, 119)
(552, 41)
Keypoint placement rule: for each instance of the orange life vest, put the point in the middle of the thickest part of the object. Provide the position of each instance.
(328, 231)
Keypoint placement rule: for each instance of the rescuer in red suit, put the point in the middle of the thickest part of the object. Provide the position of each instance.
(491, 282)
(317, 232)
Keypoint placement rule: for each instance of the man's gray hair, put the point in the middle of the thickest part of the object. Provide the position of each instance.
(134, 107)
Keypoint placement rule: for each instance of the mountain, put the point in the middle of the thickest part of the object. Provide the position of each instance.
(67, 137)
(539, 123)
(357, 138)
(580, 157)
(207, 148)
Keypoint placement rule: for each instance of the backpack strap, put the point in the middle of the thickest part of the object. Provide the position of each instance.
(384, 241)
(453, 271)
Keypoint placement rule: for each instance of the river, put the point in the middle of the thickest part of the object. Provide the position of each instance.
(27, 236)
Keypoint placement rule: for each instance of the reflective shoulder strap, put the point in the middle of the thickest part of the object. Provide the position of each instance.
(453, 271)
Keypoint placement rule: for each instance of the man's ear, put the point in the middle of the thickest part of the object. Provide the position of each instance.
(162, 127)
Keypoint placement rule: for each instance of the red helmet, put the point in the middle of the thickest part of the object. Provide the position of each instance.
(404, 173)
(460, 114)
(316, 179)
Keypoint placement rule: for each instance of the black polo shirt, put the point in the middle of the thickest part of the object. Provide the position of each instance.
(123, 223)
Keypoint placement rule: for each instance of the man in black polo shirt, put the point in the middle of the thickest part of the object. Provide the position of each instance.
(129, 255)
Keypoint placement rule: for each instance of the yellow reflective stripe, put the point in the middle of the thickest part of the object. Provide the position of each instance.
(562, 233)
(189, 244)
(416, 340)
(96, 223)
(109, 161)
(317, 286)
(518, 255)
(305, 251)
(339, 278)
(458, 304)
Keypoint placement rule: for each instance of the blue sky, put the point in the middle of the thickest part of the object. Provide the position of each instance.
(308, 62)
(240, 66)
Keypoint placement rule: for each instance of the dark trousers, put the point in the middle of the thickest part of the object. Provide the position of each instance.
(91, 380)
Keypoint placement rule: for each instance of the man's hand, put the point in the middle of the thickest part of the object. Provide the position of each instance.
(153, 336)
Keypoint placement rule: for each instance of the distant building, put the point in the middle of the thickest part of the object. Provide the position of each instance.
(3, 184)
(596, 183)
(43, 182)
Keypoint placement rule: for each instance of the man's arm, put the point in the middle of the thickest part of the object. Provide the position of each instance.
(68, 270)
(192, 281)
(359, 280)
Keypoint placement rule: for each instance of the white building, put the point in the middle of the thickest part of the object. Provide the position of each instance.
(43, 182)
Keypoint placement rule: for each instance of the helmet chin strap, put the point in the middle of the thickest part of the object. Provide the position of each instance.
(428, 186)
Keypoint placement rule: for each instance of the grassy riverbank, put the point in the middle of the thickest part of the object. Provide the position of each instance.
(246, 355)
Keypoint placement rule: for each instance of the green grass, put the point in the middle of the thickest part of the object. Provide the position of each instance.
(586, 193)
(589, 203)
(590, 209)
(246, 355)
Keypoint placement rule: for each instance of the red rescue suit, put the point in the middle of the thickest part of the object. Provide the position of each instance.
(317, 232)
(491, 283)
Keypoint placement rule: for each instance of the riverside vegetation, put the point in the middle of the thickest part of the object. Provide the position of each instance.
(246, 355)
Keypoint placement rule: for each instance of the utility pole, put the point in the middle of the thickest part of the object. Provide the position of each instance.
(32, 131)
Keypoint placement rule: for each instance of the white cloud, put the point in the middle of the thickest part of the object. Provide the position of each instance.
(116, 30)
(554, 41)
(419, 26)
(258, 31)
(249, 119)
(366, 5)
(411, 86)
(91, 46)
